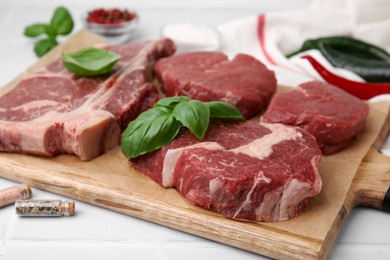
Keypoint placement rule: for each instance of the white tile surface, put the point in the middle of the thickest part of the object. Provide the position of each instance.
(96, 233)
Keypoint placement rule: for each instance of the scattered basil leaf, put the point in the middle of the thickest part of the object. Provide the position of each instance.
(61, 24)
(151, 130)
(224, 110)
(62, 21)
(194, 115)
(159, 125)
(171, 101)
(43, 46)
(90, 61)
(35, 30)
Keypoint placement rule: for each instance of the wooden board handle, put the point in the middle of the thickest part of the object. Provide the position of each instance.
(371, 185)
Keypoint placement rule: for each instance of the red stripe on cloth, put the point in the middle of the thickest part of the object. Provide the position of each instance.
(261, 35)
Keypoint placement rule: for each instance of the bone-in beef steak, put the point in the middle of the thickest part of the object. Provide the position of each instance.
(53, 111)
(209, 76)
(249, 171)
(332, 115)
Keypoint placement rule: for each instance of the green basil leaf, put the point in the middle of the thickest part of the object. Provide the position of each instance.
(194, 115)
(43, 46)
(224, 110)
(35, 30)
(151, 114)
(159, 125)
(171, 101)
(90, 61)
(151, 130)
(51, 32)
(62, 21)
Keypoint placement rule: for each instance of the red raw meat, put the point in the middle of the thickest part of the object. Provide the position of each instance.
(248, 171)
(54, 112)
(209, 76)
(330, 114)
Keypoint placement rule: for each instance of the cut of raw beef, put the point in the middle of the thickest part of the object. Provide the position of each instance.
(247, 171)
(53, 111)
(208, 76)
(330, 114)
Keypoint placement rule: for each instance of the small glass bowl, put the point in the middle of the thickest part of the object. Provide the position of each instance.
(113, 33)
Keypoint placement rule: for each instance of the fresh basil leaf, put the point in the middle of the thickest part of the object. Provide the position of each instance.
(171, 101)
(35, 30)
(153, 129)
(43, 46)
(62, 21)
(159, 125)
(151, 114)
(61, 24)
(194, 115)
(51, 32)
(224, 110)
(90, 61)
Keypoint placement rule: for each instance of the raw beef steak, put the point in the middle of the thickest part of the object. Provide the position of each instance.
(248, 171)
(53, 111)
(208, 76)
(332, 115)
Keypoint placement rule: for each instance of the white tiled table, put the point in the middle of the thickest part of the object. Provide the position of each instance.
(97, 233)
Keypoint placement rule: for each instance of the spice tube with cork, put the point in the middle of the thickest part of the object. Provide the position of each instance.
(12, 194)
(44, 208)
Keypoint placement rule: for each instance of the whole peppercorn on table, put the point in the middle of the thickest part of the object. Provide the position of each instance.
(97, 233)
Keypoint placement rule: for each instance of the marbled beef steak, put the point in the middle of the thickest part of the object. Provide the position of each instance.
(247, 171)
(209, 76)
(332, 115)
(53, 111)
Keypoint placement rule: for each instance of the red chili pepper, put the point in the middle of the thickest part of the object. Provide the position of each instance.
(361, 90)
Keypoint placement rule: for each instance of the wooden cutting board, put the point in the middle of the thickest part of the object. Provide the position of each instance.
(109, 182)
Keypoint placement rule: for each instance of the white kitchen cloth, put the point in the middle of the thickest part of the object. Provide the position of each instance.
(270, 36)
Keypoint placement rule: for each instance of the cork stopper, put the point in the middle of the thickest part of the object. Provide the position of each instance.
(71, 208)
(26, 191)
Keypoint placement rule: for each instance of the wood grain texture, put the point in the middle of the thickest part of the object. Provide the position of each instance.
(372, 180)
(109, 182)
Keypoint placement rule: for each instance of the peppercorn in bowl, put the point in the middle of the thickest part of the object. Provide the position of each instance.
(115, 25)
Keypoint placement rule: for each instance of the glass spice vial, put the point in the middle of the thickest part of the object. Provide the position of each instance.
(44, 208)
(12, 194)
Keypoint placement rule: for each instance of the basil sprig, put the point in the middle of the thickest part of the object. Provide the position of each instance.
(90, 61)
(61, 23)
(159, 125)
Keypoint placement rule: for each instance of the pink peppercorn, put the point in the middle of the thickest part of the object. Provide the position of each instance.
(110, 16)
